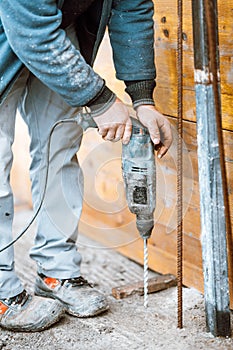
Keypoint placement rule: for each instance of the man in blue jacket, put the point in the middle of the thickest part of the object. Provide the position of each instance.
(47, 49)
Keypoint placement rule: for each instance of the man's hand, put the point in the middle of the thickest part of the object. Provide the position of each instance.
(158, 127)
(115, 123)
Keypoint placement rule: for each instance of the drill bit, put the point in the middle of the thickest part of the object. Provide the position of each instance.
(145, 274)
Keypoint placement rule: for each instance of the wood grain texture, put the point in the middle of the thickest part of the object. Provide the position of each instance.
(155, 284)
(165, 48)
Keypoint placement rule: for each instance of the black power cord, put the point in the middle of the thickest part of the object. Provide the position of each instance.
(77, 120)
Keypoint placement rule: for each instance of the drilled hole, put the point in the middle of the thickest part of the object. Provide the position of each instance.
(166, 33)
(163, 19)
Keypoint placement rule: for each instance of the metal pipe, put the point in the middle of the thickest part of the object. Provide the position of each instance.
(211, 174)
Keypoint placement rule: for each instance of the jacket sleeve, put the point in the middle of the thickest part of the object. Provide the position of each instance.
(131, 31)
(33, 32)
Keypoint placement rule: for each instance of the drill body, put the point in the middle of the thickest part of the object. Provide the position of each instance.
(139, 173)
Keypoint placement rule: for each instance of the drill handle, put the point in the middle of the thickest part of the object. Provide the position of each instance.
(86, 121)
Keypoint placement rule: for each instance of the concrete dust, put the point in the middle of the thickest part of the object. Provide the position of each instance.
(127, 325)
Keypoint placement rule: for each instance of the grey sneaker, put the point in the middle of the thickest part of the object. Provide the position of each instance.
(79, 298)
(27, 313)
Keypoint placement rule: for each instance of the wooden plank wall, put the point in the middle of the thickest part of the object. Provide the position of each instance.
(106, 217)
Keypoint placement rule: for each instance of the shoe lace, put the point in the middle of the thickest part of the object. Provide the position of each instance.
(18, 300)
(76, 282)
(73, 282)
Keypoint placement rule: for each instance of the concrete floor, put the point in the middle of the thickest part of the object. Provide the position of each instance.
(127, 325)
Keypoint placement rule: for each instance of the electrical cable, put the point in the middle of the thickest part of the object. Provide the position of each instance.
(45, 185)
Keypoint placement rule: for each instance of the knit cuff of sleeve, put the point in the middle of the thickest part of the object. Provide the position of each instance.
(101, 102)
(141, 92)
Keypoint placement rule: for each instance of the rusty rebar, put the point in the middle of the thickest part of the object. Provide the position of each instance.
(180, 164)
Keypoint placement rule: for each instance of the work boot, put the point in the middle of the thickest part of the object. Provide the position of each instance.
(79, 298)
(27, 313)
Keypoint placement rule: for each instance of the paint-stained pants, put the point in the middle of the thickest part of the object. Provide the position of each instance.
(54, 248)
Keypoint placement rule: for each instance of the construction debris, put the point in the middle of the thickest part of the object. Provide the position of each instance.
(155, 284)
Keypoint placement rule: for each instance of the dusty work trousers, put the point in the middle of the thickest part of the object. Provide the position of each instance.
(54, 248)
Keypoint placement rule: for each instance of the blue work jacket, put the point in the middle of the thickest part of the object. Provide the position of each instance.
(31, 36)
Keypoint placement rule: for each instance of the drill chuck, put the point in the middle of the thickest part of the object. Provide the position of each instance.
(145, 225)
(139, 173)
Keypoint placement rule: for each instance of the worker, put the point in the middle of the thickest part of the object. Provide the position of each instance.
(47, 51)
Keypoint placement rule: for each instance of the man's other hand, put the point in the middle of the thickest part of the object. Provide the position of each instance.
(115, 124)
(158, 126)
